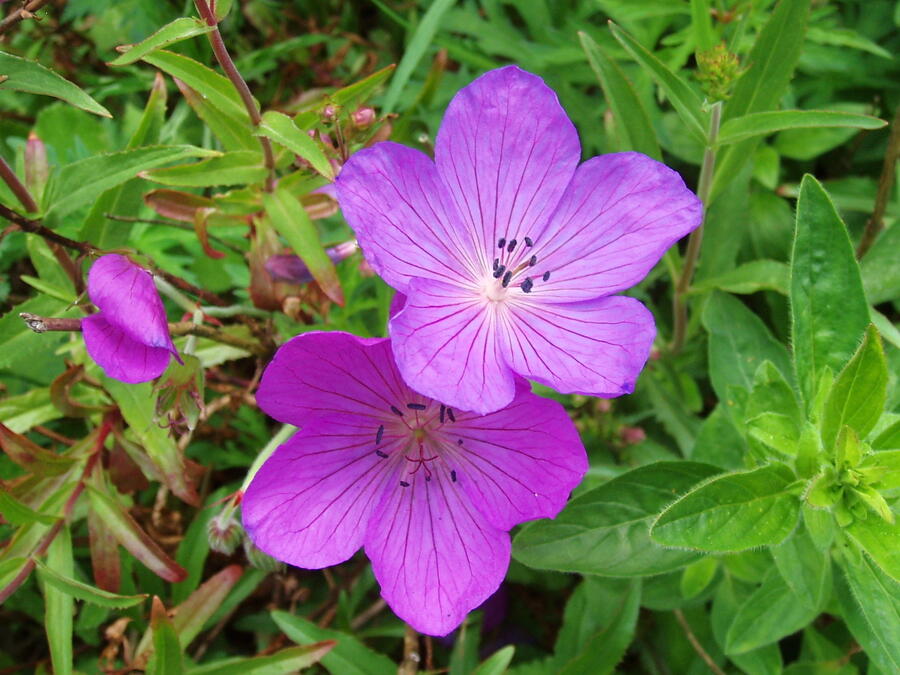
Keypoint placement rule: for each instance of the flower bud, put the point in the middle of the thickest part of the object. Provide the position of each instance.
(224, 533)
(258, 559)
(632, 435)
(363, 117)
(37, 169)
(291, 268)
(181, 392)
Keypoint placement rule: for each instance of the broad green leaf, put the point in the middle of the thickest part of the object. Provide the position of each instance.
(349, 656)
(732, 512)
(768, 122)
(634, 129)
(282, 662)
(772, 414)
(882, 469)
(730, 596)
(498, 662)
(701, 26)
(166, 658)
(870, 606)
(292, 222)
(281, 129)
(20, 348)
(58, 605)
(129, 534)
(240, 167)
(684, 99)
(881, 540)
(751, 277)
(33, 78)
(769, 614)
(605, 530)
(738, 343)
(176, 31)
(232, 128)
(17, 513)
(888, 438)
(829, 312)
(217, 88)
(771, 65)
(805, 569)
(80, 183)
(697, 576)
(598, 625)
(859, 393)
(137, 402)
(415, 50)
(880, 271)
(68, 585)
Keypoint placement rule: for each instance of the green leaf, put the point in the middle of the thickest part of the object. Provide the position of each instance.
(176, 31)
(880, 271)
(684, 99)
(193, 613)
(166, 658)
(881, 540)
(76, 589)
(362, 90)
(281, 129)
(772, 413)
(765, 123)
(231, 127)
(349, 656)
(80, 183)
(30, 456)
(805, 569)
(701, 26)
(58, 605)
(17, 513)
(732, 513)
(498, 662)
(829, 312)
(415, 50)
(129, 534)
(859, 393)
(292, 222)
(730, 596)
(751, 277)
(240, 167)
(882, 469)
(697, 576)
(33, 78)
(870, 606)
(282, 662)
(633, 126)
(605, 530)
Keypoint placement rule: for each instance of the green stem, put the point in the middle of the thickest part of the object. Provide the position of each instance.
(280, 437)
(174, 294)
(692, 254)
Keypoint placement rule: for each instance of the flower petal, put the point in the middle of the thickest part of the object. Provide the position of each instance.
(445, 346)
(434, 555)
(317, 374)
(118, 354)
(127, 297)
(617, 218)
(519, 463)
(596, 347)
(310, 503)
(506, 150)
(405, 222)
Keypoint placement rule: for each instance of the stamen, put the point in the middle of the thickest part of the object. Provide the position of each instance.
(451, 415)
(506, 279)
(453, 476)
(496, 263)
(416, 406)
(546, 276)
(532, 261)
(427, 477)
(512, 246)
(379, 435)
(443, 412)
(381, 454)
(499, 271)
(528, 242)
(527, 284)
(459, 441)
(404, 483)
(502, 242)
(396, 411)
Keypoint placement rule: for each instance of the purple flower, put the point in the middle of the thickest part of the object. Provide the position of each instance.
(129, 336)
(509, 252)
(430, 492)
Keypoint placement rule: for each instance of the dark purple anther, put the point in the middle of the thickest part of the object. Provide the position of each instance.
(532, 261)
(527, 284)
(546, 276)
(416, 406)
(501, 243)
(404, 483)
(528, 242)
(396, 411)
(506, 279)
(459, 441)
(453, 476)
(512, 246)
(496, 263)
(443, 412)
(499, 271)
(451, 415)
(379, 435)
(381, 454)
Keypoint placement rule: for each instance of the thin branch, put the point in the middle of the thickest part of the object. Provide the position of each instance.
(875, 224)
(208, 13)
(18, 187)
(176, 224)
(411, 656)
(191, 328)
(42, 324)
(26, 11)
(695, 643)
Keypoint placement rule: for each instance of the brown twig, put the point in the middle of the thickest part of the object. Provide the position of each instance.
(695, 643)
(207, 11)
(368, 614)
(875, 223)
(177, 225)
(18, 187)
(411, 656)
(26, 11)
(46, 324)
(191, 328)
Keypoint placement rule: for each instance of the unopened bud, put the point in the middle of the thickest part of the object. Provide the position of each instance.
(632, 435)
(717, 69)
(258, 559)
(292, 269)
(363, 117)
(224, 533)
(329, 112)
(37, 168)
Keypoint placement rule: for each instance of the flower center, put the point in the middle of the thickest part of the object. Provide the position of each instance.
(515, 263)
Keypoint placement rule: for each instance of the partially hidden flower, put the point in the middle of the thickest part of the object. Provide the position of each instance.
(289, 267)
(429, 491)
(509, 252)
(129, 337)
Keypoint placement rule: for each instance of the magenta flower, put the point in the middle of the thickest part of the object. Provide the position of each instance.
(429, 491)
(509, 252)
(129, 336)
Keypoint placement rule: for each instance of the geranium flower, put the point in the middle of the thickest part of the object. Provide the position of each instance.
(509, 252)
(129, 337)
(430, 492)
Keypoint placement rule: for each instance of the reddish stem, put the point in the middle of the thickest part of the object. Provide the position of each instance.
(18, 187)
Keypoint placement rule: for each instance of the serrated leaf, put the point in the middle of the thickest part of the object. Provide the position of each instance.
(829, 312)
(733, 512)
(175, 31)
(76, 589)
(281, 129)
(768, 122)
(31, 77)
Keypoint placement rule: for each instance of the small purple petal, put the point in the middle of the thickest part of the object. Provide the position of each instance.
(506, 150)
(119, 355)
(596, 347)
(618, 216)
(446, 347)
(292, 269)
(434, 554)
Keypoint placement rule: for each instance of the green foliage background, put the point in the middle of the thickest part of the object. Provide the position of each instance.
(739, 512)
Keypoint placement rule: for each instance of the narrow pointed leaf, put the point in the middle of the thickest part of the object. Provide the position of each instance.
(30, 456)
(768, 122)
(82, 591)
(231, 127)
(166, 658)
(193, 613)
(17, 513)
(240, 167)
(176, 31)
(281, 129)
(31, 77)
(105, 561)
(281, 662)
(58, 604)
